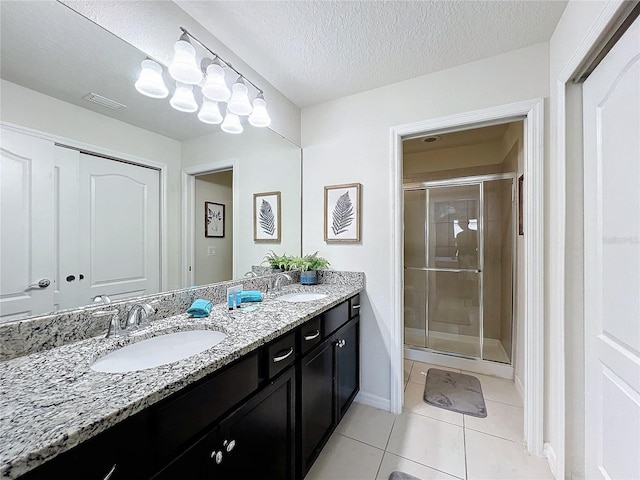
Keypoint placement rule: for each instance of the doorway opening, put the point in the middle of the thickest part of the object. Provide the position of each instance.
(213, 242)
(460, 263)
(531, 384)
(209, 190)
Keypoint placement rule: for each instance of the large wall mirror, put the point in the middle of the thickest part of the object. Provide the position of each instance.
(60, 74)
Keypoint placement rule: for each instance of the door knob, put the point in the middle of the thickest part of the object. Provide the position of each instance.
(44, 283)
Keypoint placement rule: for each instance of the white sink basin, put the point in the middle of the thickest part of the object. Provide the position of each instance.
(301, 297)
(157, 351)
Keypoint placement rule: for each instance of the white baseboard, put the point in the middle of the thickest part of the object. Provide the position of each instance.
(552, 460)
(519, 386)
(373, 400)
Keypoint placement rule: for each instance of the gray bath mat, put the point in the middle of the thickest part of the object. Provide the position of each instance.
(402, 476)
(455, 391)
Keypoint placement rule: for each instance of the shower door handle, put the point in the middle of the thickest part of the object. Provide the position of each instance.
(436, 269)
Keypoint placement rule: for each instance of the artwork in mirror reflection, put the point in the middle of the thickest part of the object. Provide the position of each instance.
(49, 36)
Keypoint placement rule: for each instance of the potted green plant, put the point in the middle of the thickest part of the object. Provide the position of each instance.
(278, 262)
(308, 266)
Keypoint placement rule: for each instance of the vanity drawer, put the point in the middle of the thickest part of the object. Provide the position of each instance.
(310, 334)
(335, 318)
(175, 423)
(281, 354)
(354, 306)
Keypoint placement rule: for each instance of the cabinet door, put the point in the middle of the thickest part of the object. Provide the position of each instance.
(191, 464)
(347, 344)
(316, 402)
(258, 439)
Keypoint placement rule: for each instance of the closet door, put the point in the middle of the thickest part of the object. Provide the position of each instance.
(107, 228)
(119, 215)
(26, 225)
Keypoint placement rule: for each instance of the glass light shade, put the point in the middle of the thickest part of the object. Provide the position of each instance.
(150, 82)
(215, 88)
(231, 123)
(259, 117)
(184, 68)
(209, 112)
(239, 101)
(183, 99)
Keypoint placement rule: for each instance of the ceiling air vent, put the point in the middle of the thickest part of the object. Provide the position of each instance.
(104, 101)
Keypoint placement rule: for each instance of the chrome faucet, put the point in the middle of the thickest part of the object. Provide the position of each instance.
(251, 274)
(101, 299)
(138, 315)
(278, 281)
(115, 327)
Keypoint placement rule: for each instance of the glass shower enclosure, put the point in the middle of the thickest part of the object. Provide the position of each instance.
(459, 266)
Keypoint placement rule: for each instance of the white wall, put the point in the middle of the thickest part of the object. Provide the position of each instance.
(266, 162)
(577, 29)
(217, 188)
(40, 112)
(153, 27)
(348, 140)
(488, 153)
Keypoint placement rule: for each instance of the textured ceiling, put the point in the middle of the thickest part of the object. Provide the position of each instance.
(315, 51)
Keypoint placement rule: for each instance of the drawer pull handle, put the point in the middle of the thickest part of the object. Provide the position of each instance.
(356, 307)
(313, 336)
(113, 469)
(282, 357)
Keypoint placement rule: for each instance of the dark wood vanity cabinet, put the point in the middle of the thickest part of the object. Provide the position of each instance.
(329, 379)
(256, 440)
(267, 415)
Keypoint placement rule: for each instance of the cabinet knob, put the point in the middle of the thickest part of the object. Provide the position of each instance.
(217, 456)
(231, 445)
(341, 343)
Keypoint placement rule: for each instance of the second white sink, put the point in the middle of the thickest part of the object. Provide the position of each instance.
(301, 297)
(156, 351)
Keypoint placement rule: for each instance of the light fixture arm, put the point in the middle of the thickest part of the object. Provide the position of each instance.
(227, 64)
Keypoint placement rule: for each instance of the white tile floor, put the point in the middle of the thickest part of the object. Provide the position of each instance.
(432, 443)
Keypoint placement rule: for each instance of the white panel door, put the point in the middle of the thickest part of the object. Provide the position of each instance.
(120, 229)
(611, 112)
(26, 225)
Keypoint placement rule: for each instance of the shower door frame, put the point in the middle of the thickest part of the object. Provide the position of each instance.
(460, 182)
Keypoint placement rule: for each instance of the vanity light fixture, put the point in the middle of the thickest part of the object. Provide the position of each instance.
(239, 102)
(183, 99)
(210, 112)
(150, 82)
(215, 88)
(210, 77)
(259, 116)
(231, 123)
(184, 68)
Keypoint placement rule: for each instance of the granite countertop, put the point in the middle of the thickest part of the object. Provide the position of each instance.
(51, 401)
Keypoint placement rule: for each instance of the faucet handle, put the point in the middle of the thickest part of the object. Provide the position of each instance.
(114, 328)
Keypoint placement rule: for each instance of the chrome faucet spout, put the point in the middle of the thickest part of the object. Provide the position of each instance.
(277, 284)
(138, 315)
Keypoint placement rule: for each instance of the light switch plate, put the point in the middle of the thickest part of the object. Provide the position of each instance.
(211, 251)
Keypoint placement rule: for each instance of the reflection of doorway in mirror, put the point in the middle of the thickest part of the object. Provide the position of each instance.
(213, 251)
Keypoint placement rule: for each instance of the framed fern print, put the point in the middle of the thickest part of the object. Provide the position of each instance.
(342, 213)
(266, 217)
